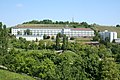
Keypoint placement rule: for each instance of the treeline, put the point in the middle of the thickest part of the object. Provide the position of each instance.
(70, 24)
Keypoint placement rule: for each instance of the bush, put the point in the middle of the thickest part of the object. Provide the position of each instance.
(72, 38)
(48, 37)
(52, 37)
(45, 36)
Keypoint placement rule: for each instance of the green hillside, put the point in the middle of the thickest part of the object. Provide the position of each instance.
(6, 75)
(102, 28)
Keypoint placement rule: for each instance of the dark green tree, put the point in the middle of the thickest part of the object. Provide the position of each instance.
(65, 42)
(3, 42)
(117, 25)
(44, 36)
(60, 35)
(57, 42)
(27, 32)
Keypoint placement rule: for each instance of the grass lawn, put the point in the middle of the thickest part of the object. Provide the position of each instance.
(7, 75)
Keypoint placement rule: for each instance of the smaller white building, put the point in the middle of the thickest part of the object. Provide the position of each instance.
(117, 40)
(106, 34)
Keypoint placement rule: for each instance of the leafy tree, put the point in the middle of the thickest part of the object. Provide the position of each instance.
(44, 36)
(36, 40)
(27, 32)
(33, 46)
(52, 37)
(96, 37)
(47, 69)
(60, 35)
(72, 38)
(84, 24)
(18, 33)
(109, 70)
(48, 37)
(117, 25)
(41, 44)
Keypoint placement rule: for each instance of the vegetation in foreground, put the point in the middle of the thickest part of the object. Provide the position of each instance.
(76, 62)
(7, 75)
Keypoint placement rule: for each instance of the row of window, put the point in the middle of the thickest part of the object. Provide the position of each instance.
(15, 30)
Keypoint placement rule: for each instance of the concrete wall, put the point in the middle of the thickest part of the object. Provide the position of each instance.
(110, 35)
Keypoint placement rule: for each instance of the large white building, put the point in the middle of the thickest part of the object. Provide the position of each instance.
(106, 34)
(37, 31)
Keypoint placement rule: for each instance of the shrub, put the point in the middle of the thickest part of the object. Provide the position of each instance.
(52, 37)
(48, 37)
(72, 38)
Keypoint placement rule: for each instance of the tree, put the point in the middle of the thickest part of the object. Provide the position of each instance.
(44, 36)
(117, 25)
(27, 32)
(47, 69)
(65, 42)
(3, 40)
(57, 42)
(60, 35)
(48, 37)
(96, 37)
(109, 70)
(41, 44)
(36, 40)
(72, 38)
(52, 37)
(85, 24)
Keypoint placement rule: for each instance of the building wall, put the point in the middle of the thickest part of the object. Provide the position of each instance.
(110, 35)
(30, 38)
(54, 32)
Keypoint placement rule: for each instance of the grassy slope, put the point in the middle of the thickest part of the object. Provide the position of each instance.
(102, 28)
(6, 75)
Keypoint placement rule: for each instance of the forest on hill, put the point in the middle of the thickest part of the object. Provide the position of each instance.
(69, 24)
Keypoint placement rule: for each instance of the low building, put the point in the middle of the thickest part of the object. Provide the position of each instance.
(117, 40)
(110, 35)
(39, 30)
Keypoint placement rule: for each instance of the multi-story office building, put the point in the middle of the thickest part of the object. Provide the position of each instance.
(50, 30)
(110, 35)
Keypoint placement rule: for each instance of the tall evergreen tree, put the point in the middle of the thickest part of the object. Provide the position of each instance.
(3, 40)
(65, 42)
(57, 42)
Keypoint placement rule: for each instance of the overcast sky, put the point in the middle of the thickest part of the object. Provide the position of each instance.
(103, 12)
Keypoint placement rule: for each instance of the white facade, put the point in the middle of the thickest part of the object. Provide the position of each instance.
(70, 32)
(30, 38)
(110, 35)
